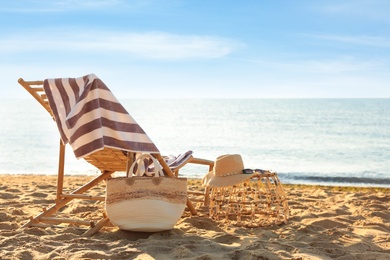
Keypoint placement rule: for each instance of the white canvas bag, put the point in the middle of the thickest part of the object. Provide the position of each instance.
(143, 203)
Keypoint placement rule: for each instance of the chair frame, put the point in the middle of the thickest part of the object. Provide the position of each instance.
(101, 159)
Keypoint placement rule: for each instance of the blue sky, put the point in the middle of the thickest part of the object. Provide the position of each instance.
(190, 49)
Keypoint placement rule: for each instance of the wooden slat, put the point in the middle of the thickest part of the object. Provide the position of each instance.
(108, 159)
(202, 161)
(69, 221)
(82, 196)
(60, 203)
(97, 227)
(34, 82)
(33, 91)
(39, 225)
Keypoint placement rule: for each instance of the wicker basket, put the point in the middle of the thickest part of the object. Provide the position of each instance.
(259, 201)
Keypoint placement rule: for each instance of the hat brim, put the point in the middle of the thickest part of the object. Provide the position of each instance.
(229, 180)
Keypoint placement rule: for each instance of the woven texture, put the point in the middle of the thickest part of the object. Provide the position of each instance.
(147, 204)
(260, 201)
(173, 190)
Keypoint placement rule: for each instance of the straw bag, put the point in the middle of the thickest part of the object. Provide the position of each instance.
(146, 204)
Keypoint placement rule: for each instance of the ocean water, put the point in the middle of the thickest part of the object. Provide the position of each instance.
(306, 141)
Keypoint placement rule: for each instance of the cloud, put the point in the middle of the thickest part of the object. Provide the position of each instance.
(336, 65)
(367, 9)
(374, 41)
(149, 45)
(340, 66)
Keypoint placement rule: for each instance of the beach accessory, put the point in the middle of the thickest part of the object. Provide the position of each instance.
(250, 171)
(143, 203)
(227, 171)
(259, 201)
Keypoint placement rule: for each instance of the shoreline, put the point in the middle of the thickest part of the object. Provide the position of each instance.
(326, 222)
(336, 185)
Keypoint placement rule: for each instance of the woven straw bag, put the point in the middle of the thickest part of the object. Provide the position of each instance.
(147, 204)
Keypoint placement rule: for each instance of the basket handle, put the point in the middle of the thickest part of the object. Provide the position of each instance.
(142, 169)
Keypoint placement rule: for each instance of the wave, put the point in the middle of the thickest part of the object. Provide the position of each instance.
(349, 181)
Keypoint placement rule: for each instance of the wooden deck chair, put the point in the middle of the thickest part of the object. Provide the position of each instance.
(108, 160)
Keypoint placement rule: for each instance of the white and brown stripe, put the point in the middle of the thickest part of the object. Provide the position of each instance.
(89, 117)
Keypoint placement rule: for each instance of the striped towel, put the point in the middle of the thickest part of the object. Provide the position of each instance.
(90, 118)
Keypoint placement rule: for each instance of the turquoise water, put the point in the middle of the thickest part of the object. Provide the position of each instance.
(316, 141)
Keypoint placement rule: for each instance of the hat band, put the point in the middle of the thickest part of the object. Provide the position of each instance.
(228, 174)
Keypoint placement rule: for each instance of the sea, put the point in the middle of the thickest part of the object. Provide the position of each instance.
(340, 142)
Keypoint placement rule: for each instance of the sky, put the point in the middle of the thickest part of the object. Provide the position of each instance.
(199, 48)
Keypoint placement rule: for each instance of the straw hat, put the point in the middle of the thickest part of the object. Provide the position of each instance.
(227, 171)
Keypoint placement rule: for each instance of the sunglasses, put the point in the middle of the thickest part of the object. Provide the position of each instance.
(250, 171)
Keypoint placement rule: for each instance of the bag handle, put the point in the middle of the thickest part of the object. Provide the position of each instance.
(142, 169)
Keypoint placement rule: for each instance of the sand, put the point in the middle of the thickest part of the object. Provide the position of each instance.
(325, 223)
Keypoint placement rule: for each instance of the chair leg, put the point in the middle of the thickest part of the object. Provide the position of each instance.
(207, 196)
(191, 207)
(169, 172)
(61, 165)
(60, 203)
(97, 227)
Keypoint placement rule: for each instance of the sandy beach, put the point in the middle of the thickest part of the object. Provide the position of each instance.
(325, 223)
